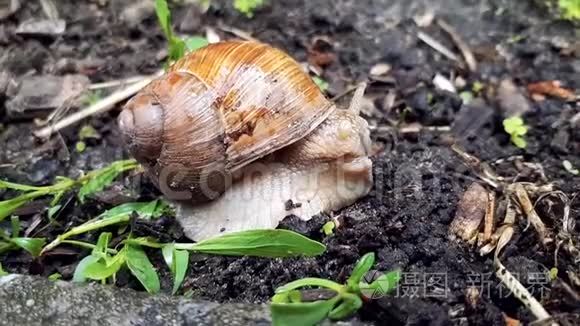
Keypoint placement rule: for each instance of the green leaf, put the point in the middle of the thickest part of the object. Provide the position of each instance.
(247, 7)
(360, 269)
(101, 270)
(142, 268)
(32, 245)
(97, 183)
(102, 244)
(167, 252)
(180, 262)
(164, 17)
(79, 274)
(177, 49)
(262, 243)
(53, 210)
(321, 83)
(570, 9)
(80, 146)
(145, 210)
(328, 227)
(303, 314)
(17, 186)
(177, 261)
(15, 226)
(153, 209)
(382, 285)
(88, 131)
(54, 276)
(8, 207)
(349, 305)
(195, 42)
(310, 281)
(519, 141)
(516, 128)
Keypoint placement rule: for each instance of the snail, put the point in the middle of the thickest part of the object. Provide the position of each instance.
(238, 137)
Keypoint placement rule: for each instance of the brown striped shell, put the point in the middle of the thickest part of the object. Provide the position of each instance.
(216, 110)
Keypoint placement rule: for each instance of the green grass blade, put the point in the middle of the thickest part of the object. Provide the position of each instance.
(261, 243)
(180, 263)
(32, 245)
(304, 313)
(142, 269)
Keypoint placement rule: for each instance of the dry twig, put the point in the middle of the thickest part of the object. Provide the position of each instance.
(237, 32)
(460, 43)
(101, 106)
(117, 83)
(526, 204)
(437, 46)
(520, 292)
(489, 217)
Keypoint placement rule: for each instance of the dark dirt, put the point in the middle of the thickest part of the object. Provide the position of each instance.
(418, 178)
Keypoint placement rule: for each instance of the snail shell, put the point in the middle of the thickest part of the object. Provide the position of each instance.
(217, 110)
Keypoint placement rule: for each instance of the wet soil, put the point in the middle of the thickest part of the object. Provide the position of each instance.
(418, 178)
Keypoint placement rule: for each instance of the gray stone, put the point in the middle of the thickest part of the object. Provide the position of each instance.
(43, 27)
(29, 300)
(38, 95)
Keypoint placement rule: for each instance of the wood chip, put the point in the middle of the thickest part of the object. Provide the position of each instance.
(470, 213)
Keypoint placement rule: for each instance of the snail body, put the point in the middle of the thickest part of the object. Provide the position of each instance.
(244, 119)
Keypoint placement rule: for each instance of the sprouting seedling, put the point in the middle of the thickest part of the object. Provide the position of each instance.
(288, 308)
(247, 7)
(328, 228)
(89, 184)
(516, 128)
(177, 47)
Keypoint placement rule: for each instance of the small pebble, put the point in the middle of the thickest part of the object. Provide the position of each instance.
(380, 69)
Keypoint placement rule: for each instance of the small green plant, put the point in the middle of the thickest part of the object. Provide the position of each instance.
(570, 9)
(116, 215)
(12, 241)
(177, 47)
(247, 7)
(177, 261)
(55, 276)
(321, 83)
(328, 228)
(477, 87)
(287, 307)
(89, 184)
(516, 128)
(104, 263)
